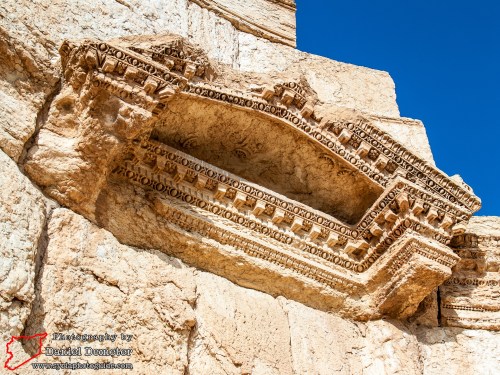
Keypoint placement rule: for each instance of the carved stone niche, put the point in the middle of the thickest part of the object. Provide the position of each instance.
(146, 141)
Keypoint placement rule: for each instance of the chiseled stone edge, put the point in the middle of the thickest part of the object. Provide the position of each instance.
(245, 24)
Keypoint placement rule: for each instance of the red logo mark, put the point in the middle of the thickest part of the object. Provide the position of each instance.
(40, 336)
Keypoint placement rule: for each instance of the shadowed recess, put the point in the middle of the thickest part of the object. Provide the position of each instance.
(267, 153)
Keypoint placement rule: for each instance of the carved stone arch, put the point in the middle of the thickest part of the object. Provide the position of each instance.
(332, 211)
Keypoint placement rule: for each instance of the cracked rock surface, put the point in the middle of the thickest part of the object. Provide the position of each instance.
(22, 219)
(59, 272)
(186, 321)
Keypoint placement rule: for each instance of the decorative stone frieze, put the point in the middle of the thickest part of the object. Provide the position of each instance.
(336, 203)
(470, 298)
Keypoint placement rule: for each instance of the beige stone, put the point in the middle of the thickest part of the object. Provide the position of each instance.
(158, 113)
(449, 351)
(25, 83)
(31, 33)
(409, 132)
(471, 297)
(321, 343)
(22, 218)
(226, 339)
(324, 344)
(484, 226)
(273, 20)
(90, 283)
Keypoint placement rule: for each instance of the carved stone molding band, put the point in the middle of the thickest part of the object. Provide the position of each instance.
(469, 299)
(329, 211)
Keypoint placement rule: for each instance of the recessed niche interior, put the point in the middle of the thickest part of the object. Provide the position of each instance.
(268, 153)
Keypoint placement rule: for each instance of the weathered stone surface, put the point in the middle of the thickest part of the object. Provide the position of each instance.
(26, 80)
(31, 32)
(90, 283)
(409, 132)
(22, 218)
(270, 19)
(325, 344)
(471, 297)
(427, 313)
(322, 343)
(226, 340)
(484, 226)
(450, 351)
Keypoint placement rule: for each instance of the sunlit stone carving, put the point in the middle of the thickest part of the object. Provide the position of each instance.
(331, 212)
(469, 298)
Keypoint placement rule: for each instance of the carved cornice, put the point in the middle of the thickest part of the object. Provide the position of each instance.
(354, 248)
(287, 245)
(469, 297)
(399, 241)
(374, 154)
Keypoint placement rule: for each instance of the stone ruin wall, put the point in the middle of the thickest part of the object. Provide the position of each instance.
(87, 248)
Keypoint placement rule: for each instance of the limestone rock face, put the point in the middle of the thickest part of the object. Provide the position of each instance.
(340, 218)
(323, 344)
(22, 219)
(90, 283)
(270, 19)
(188, 321)
(450, 351)
(226, 339)
(484, 226)
(409, 132)
(31, 33)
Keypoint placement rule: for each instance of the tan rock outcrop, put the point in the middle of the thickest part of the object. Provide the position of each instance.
(188, 142)
(409, 132)
(188, 321)
(449, 351)
(325, 344)
(270, 19)
(91, 284)
(22, 219)
(226, 340)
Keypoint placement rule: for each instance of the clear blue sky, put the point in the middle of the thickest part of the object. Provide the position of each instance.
(444, 57)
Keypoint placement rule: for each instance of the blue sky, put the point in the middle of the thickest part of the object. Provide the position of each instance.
(444, 57)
